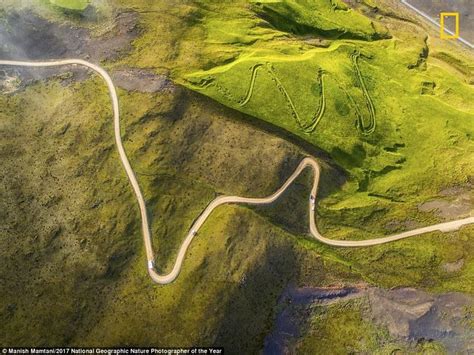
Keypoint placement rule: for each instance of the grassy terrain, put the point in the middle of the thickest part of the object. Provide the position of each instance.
(390, 162)
(383, 160)
(408, 151)
(392, 109)
(66, 182)
(50, 210)
(342, 328)
(75, 5)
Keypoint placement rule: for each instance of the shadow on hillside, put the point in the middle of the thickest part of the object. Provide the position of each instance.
(249, 315)
(332, 175)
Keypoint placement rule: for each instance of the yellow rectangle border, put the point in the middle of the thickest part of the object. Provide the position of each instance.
(443, 32)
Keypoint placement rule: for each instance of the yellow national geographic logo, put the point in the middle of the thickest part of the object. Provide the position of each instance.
(444, 32)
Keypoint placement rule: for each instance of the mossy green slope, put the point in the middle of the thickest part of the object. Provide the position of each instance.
(422, 141)
(186, 149)
(78, 261)
(329, 19)
(376, 115)
(343, 328)
(74, 5)
(400, 143)
(236, 269)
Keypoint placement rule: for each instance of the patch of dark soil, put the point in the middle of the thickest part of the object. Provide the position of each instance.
(457, 190)
(399, 226)
(305, 295)
(142, 80)
(24, 35)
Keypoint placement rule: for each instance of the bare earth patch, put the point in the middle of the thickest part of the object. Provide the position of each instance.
(141, 80)
(454, 266)
(413, 314)
(24, 35)
(460, 207)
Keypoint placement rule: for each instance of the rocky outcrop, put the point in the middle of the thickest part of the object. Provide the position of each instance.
(411, 314)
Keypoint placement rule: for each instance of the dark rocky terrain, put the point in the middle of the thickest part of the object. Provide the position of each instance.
(409, 315)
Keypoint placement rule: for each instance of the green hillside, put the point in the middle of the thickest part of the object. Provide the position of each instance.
(75, 5)
(363, 86)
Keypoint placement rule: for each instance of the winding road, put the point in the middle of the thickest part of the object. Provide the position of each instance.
(307, 162)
